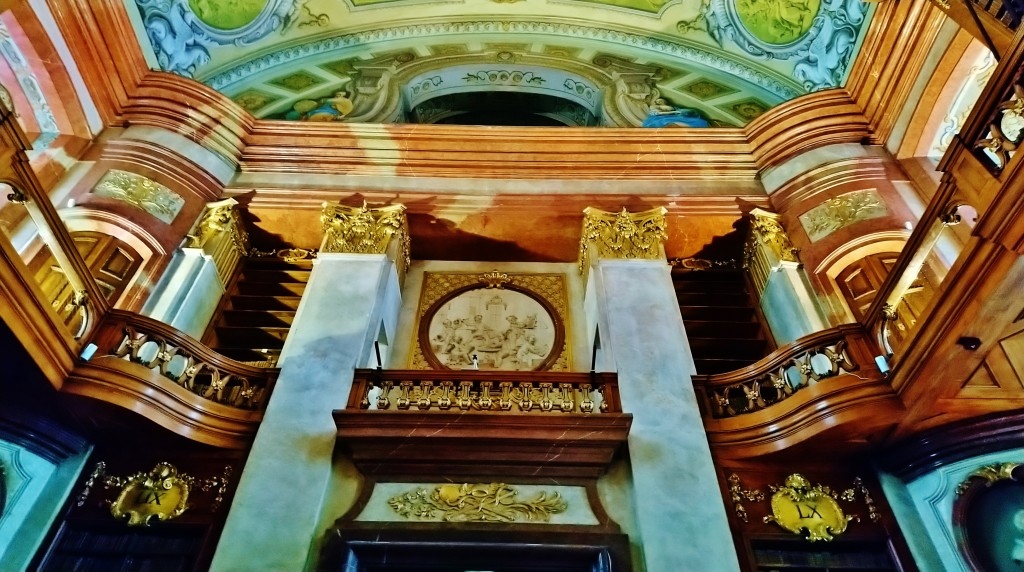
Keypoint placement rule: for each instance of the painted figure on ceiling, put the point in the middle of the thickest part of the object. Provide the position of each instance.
(664, 115)
(331, 108)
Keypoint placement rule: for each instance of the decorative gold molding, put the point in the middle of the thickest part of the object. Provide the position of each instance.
(161, 493)
(767, 248)
(622, 234)
(495, 279)
(365, 230)
(767, 231)
(991, 474)
(494, 502)
(219, 217)
(739, 494)
(798, 506)
(842, 211)
(140, 192)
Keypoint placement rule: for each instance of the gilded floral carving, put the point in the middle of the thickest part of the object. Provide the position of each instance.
(141, 193)
(494, 502)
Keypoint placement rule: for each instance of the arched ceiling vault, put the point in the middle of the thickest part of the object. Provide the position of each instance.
(729, 60)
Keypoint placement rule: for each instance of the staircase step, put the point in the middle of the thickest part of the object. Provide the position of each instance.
(276, 264)
(252, 356)
(709, 313)
(268, 303)
(711, 366)
(731, 299)
(270, 288)
(709, 286)
(250, 318)
(745, 350)
(722, 329)
(259, 338)
(282, 275)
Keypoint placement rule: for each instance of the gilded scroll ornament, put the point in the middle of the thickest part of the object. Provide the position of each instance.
(365, 230)
(991, 474)
(160, 493)
(140, 192)
(494, 279)
(623, 234)
(219, 217)
(799, 507)
(842, 211)
(494, 502)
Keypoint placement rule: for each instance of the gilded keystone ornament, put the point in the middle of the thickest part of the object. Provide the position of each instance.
(797, 506)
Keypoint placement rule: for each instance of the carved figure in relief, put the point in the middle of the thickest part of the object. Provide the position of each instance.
(504, 334)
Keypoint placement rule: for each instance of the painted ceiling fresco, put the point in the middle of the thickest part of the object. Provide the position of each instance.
(589, 62)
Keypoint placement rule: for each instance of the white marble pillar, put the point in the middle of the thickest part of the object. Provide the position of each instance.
(679, 508)
(275, 514)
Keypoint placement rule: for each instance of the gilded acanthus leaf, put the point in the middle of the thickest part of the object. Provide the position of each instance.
(622, 234)
(494, 502)
(364, 230)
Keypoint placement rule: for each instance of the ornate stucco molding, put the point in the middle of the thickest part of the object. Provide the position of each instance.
(365, 230)
(622, 235)
(768, 248)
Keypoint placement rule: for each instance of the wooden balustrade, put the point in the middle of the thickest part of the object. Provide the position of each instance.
(523, 392)
(495, 424)
(183, 360)
(810, 360)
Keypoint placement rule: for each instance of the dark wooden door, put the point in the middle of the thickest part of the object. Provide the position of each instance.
(112, 263)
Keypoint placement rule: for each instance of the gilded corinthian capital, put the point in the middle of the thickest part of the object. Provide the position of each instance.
(622, 234)
(766, 230)
(365, 230)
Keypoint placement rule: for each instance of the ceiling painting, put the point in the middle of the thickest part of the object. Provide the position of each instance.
(727, 60)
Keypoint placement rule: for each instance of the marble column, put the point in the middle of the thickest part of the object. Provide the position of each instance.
(680, 512)
(275, 515)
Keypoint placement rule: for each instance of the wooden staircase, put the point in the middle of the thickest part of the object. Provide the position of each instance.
(258, 310)
(722, 322)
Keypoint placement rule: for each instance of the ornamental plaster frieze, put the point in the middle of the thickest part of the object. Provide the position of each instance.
(777, 84)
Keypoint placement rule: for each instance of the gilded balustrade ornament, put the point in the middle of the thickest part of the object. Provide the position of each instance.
(219, 217)
(797, 507)
(622, 234)
(494, 502)
(365, 230)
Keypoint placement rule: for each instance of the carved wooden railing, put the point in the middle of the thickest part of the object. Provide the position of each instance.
(183, 360)
(524, 392)
(807, 361)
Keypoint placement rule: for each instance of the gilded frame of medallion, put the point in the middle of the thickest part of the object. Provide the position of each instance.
(969, 498)
(549, 291)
